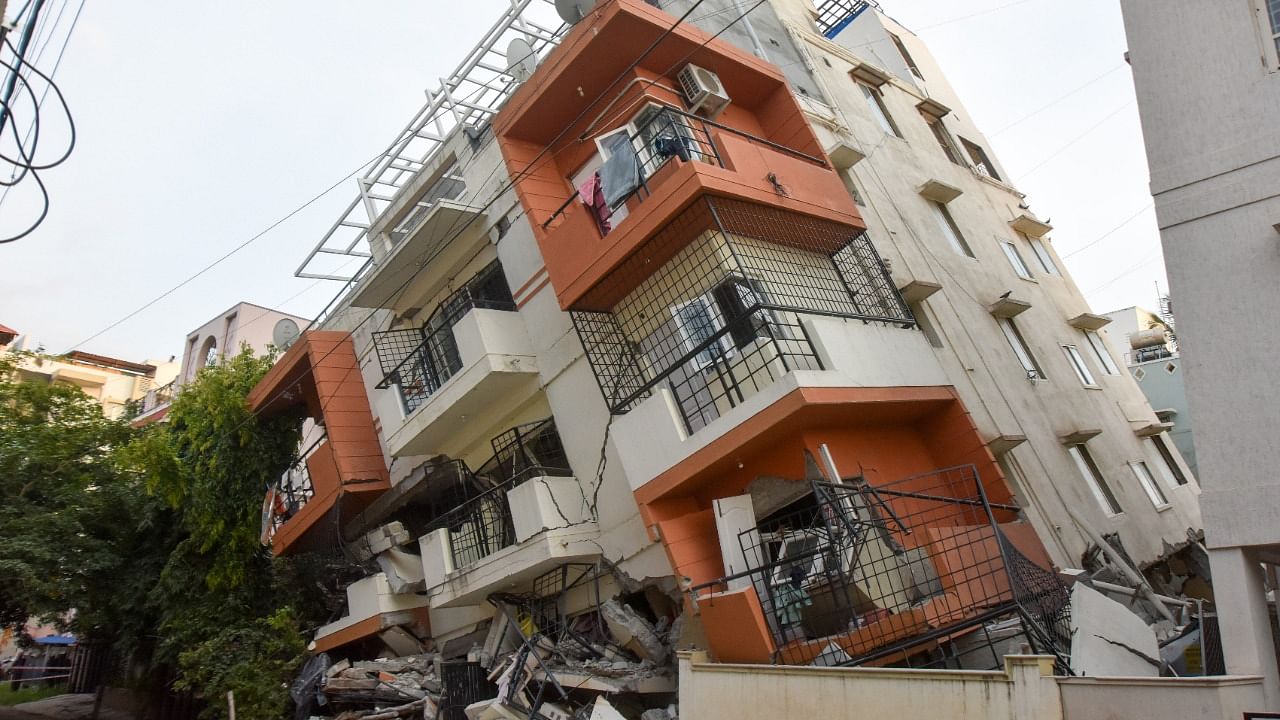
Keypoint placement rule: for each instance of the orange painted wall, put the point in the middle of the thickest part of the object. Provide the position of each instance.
(586, 87)
(319, 377)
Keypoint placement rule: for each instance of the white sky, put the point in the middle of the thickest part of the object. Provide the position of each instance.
(200, 124)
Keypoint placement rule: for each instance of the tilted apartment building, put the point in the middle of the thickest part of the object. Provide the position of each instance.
(738, 326)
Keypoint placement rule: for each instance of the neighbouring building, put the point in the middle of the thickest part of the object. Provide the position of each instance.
(243, 325)
(739, 341)
(1147, 343)
(114, 383)
(1208, 85)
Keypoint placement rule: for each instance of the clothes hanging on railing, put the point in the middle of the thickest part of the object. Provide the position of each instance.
(669, 145)
(591, 193)
(620, 174)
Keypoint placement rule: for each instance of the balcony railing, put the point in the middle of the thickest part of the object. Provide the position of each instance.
(154, 398)
(835, 15)
(419, 361)
(481, 523)
(665, 134)
(918, 571)
(721, 320)
(292, 491)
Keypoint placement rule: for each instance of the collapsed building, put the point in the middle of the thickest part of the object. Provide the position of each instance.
(700, 328)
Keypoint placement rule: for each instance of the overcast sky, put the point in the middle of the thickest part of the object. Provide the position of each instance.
(200, 124)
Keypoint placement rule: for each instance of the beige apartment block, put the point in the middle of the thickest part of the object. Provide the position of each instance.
(1208, 85)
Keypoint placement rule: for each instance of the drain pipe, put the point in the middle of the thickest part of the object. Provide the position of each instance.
(751, 29)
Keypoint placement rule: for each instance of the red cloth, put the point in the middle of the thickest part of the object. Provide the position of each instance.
(592, 194)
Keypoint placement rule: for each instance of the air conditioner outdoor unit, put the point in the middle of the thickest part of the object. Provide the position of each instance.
(703, 91)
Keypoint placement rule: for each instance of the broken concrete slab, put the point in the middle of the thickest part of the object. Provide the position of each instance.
(604, 710)
(1109, 640)
(401, 641)
(633, 632)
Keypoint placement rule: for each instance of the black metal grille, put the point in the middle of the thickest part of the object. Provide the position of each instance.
(419, 372)
(913, 573)
(152, 400)
(463, 683)
(292, 491)
(480, 523)
(835, 15)
(712, 307)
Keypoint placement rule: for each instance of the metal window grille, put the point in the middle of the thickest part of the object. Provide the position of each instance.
(835, 15)
(419, 372)
(914, 573)
(712, 307)
(479, 519)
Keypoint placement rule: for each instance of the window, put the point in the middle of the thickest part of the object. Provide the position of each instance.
(1100, 351)
(926, 325)
(1148, 483)
(698, 325)
(733, 305)
(906, 56)
(1021, 350)
(1268, 12)
(1015, 259)
(878, 111)
(1168, 464)
(1077, 364)
(1093, 478)
(943, 137)
(981, 162)
(949, 229)
(852, 186)
(1042, 254)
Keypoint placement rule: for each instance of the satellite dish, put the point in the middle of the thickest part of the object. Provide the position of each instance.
(571, 11)
(284, 333)
(521, 59)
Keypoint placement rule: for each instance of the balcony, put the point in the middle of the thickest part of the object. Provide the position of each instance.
(472, 358)
(717, 313)
(509, 521)
(759, 147)
(338, 474)
(152, 406)
(678, 159)
(917, 571)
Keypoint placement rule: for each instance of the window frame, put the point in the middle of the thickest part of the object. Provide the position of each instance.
(1267, 22)
(950, 230)
(1076, 360)
(1020, 267)
(944, 138)
(721, 348)
(1021, 350)
(1041, 251)
(1168, 463)
(879, 111)
(1149, 484)
(982, 163)
(1101, 352)
(1093, 477)
(906, 56)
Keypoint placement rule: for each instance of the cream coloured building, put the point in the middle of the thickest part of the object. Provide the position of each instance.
(802, 315)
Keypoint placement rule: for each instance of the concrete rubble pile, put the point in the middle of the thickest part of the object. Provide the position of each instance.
(610, 663)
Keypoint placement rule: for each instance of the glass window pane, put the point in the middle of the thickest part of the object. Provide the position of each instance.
(1100, 351)
(878, 110)
(1077, 363)
(1167, 464)
(1154, 493)
(1020, 349)
(1093, 478)
(1015, 260)
(949, 230)
(1042, 254)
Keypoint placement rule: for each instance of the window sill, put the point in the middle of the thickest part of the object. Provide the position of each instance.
(1091, 387)
(1030, 280)
(1164, 507)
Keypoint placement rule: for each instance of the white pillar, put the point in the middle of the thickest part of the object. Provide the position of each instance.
(1239, 594)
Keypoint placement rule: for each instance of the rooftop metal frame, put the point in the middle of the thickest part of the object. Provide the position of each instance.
(475, 91)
